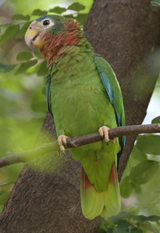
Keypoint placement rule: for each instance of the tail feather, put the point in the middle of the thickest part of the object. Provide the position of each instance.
(106, 203)
(91, 200)
(111, 196)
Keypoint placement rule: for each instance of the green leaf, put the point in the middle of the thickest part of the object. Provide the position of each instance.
(123, 224)
(3, 197)
(120, 216)
(43, 71)
(23, 30)
(114, 230)
(137, 188)
(138, 154)
(25, 66)
(39, 106)
(153, 229)
(101, 231)
(58, 10)
(149, 144)
(148, 226)
(76, 6)
(4, 67)
(10, 32)
(126, 187)
(135, 230)
(37, 53)
(69, 16)
(140, 218)
(81, 18)
(106, 229)
(143, 172)
(39, 12)
(24, 56)
(20, 17)
(4, 25)
(156, 120)
(153, 218)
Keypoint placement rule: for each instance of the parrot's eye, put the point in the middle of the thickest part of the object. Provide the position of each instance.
(46, 22)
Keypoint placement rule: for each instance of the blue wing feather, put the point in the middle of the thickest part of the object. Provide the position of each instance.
(48, 96)
(109, 83)
(107, 86)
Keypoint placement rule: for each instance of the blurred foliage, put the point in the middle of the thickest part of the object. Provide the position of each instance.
(23, 108)
(156, 2)
(27, 6)
(156, 120)
(128, 223)
(140, 183)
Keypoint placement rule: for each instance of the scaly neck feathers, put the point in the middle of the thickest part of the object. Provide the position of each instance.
(56, 46)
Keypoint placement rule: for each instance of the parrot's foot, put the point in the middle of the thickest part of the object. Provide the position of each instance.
(103, 131)
(62, 141)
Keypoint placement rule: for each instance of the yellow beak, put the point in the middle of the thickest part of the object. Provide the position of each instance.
(33, 39)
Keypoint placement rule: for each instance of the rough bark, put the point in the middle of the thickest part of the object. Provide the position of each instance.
(46, 195)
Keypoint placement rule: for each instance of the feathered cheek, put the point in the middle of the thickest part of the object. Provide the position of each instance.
(33, 39)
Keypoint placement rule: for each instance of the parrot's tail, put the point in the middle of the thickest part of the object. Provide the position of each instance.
(106, 203)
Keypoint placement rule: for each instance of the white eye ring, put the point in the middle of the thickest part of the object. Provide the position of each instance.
(47, 22)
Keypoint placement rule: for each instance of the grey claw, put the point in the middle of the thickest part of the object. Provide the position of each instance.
(112, 141)
(102, 136)
(107, 143)
(63, 152)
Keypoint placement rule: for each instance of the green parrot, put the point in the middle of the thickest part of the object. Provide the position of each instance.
(83, 96)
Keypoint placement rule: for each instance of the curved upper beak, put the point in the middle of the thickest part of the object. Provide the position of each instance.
(32, 38)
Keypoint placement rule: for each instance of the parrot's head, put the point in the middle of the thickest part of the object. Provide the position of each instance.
(50, 33)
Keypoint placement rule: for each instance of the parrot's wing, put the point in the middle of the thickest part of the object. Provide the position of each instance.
(113, 91)
(48, 93)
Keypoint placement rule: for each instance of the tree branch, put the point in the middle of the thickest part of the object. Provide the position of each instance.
(78, 141)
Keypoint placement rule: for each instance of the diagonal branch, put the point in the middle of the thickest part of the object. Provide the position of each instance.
(78, 141)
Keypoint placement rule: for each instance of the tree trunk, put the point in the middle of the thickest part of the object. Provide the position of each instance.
(126, 34)
(46, 195)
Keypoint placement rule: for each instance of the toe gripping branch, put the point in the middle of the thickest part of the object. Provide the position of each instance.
(103, 131)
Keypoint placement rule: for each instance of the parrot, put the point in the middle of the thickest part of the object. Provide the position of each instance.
(84, 97)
